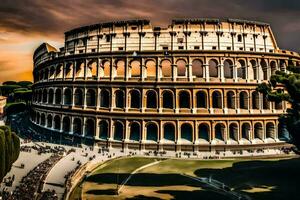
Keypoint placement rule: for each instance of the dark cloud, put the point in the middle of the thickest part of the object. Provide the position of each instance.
(53, 17)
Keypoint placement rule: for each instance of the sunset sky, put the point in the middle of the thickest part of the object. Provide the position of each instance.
(24, 24)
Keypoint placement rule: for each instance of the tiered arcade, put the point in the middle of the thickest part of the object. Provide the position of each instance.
(191, 86)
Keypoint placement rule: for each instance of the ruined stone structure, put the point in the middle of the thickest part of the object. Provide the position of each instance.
(188, 87)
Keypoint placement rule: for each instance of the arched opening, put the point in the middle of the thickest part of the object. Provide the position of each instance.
(49, 121)
(151, 99)
(166, 68)
(58, 71)
(120, 99)
(46, 75)
(50, 96)
(135, 132)
(120, 68)
(228, 69)
(270, 130)
(78, 97)
(184, 99)
(67, 96)
(278, 105)
(258, 131)
(252, 70)
(230, 100)
(181, 68)
(246, 131)
(264, 67)
(58, 96)
(151, 68)
(168, 99)
(169, 132)
(266, 103)
(91, 97)
(40, 96)
(44, 96)
(38, 117)
(118, 131)
(77, 127)
(89, 128)
(135, 68)
(282, 65)
(103, 129)
(187, 132)
(197, 68)
(273, 67)
(92, 70)
(233, 132)
(104, 98)
(69, 70)
(243, 100)
(255, 100)
(79, 73)
(106, 68)
(201, 99)
(219, 132)
(203, 132)
(135, 101)
(43, 120)
(66, 124)
(213, 68)
(241, 69)
(57, 122)
(151, 132)
(217, 99)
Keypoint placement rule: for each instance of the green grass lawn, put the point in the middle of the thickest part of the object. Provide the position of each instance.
(259, 179)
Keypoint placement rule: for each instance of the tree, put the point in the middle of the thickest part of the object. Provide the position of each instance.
(285, 86)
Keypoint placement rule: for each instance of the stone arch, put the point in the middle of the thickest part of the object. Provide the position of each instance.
(50, 96)
(151, 96)
(255, 100)
(234, 131)
(79, 69)
(118, 131)
(151, 68)
(66, 124)
(258, 131)
(67, 96)
(120, 68)
(43, 120)
(204, 132)
(57, 122)
(78, 97)
(230, 100)
(241, 69)
(135, 99)
(181, 67)
(45, 96)
(169, 132)
(120, 98)
(201, 99)
(151, 132)
(243, 100)
(266, 103)
(91, 70)
(197, 68)
(103, 129)
(69, 70)
(252, 70)
(273, 67)
(59, 71)
(135, 68)
(77, 126)
(220, 131)
(106, 68)
(186, 131)
(264, 68)
(168, 99)
(166, 68)
(270, 130)
(104, 98)
(135, 131)
(184, 99)
(213, 68)
(89, 128)
(90, 97)
(49, 121)
(58, 96)
(217, 99)
(282, 65)
(246, 129)
(38, 118)
(228, 68)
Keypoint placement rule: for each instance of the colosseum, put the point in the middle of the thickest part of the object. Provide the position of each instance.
(190, 86)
